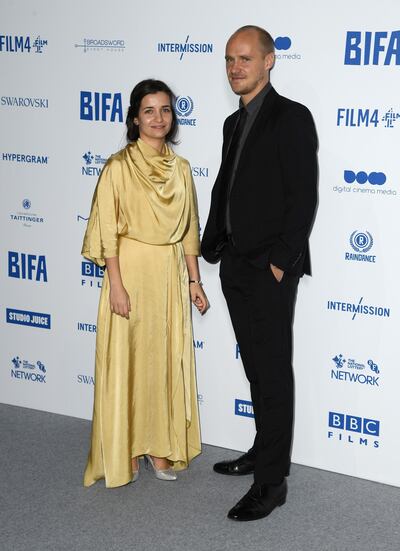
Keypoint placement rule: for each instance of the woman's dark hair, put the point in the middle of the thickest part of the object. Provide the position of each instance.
(149, 86)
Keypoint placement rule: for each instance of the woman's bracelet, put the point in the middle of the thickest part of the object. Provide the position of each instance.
(198, 281)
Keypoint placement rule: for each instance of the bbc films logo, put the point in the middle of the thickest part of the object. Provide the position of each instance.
(25, 102)
(14, 44)
(101, 45)
(244, 408)
(184, 106)
(27, 217)
(187, 47)
(354, 309)
(31, 319)
(353, 430)
(27, 370)
(92, 275)
(352, 117)
(100, 106)
(283, 45)
(361, 243)
(93, 164)
(27, 266)
(372, 48)
(351, 371)
(372, 184)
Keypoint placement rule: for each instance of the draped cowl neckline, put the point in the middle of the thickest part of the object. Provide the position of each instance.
(158, 168)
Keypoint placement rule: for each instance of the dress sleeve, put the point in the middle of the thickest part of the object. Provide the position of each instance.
(101, 237)
(191, 240)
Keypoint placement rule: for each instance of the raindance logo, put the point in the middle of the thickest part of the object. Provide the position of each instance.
(99, 44)
(93, 164)
(345, 428)
(360, 308)
(367, 118)
(372, 48)
(21, 158)
(29, 371)
(283, 44)
(361, 243)
(184, 107)
(27, 218)
(20, 44)
(354, 372)
(185, 48)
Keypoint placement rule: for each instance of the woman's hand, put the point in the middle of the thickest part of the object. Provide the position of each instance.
(198, 297)
(119, 301)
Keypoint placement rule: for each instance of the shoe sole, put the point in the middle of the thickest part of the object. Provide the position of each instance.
(277, 504)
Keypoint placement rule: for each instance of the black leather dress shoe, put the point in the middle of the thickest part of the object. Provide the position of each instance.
(240, 466)
(259, 502)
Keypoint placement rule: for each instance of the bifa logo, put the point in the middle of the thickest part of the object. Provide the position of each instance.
(199, 345)
(92, 275)
(21, 44)
(244, 408)
(345, 428)
(283, 44)
(85, 379)
(24, 317)
(184, 107)
(100, 106)
(351, 371)
(367, 118)
(93, 164)
(372, 48)
(27, 266)
(361, 243)
(28, 371)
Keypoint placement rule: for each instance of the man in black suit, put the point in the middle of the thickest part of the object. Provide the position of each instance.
(261, 213)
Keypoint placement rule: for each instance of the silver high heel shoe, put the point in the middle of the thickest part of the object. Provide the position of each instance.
(161, 474)
(135, 474)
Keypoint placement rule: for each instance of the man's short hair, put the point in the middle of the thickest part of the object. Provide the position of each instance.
(266, 40)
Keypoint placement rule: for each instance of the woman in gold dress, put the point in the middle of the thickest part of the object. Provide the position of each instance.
(143, 227)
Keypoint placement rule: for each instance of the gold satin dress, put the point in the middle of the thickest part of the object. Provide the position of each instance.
(144, 211)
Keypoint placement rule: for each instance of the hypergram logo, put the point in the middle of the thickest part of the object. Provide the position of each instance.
(372, 48)
(186, 47)
(25, 158)
(184, 107)
(100, 106)
(359, 308)
(349, 370)
(27, 370)
(361, 243)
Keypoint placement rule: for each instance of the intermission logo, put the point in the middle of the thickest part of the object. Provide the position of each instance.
(372, 48)
(366, 183)
(187, 47)
(244, 408)
(367, 118)
(93, 164)
(92, 275)
(27, 218)
(27, 370)
(361, 243)
(359, 308)
(25, 158)
(101, 106)
(351, 371)
(86, 327)
(183, 108)
(34, 103)
(354, 430)
(24, 317)
(21, 44)
(101, 45)
(27, 266)
(282, 46)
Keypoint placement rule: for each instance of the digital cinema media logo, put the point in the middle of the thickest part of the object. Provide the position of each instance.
(92, 275)
(351, 371)
(26, 370)
(115, 45)
(353, 430)
(244, 408)
(101, 106)
(27, 266)
(14, 44)
(25, 317)
(365, 183)
(361, 243)
(353, 117)
(185, 48)
(283, 45)
(358, 309)
(372, 48)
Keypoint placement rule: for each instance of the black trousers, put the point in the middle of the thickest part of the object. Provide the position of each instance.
(261, 310)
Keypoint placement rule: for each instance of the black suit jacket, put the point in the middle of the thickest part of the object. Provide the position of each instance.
(274, 194)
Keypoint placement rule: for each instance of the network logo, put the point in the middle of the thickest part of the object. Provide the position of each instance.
(101, 45)
(22, 158)
(186, 47)
(27, 370)
(372, 48)
(27, 266)
(183, 108)
(361, 243)
(92, 161)
(366, 118)
(33, 103)
(358, 308)
(92, 275)
(244, 408)
(351, 371)
(32, 319)
(27, 218)
(346, 428)
(21, 44)
(100, 106)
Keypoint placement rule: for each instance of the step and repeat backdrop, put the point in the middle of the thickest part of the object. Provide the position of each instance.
(67, 72)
